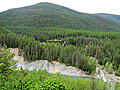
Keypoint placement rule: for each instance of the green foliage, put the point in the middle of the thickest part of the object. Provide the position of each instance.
(37, 80)
(109, 67)
(76, 50)
(6, 65)
(6, 62)
(35, 25)
(41, 80)
(113, 17)
(47, 33)
(51, 15)
(82, 54)
(105, 49)
(117, 86)
(118, 71)
(33, 50)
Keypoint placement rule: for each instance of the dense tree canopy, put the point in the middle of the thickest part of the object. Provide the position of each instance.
(51, 15)
(77, 49)
(47, 31)
(22, 79)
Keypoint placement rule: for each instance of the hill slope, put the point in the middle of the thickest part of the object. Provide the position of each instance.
(115, 18)
(52, 15)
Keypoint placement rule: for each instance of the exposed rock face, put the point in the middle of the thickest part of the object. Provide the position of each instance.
(105, 75)
(55, 67)
(51, 67)
(101, 74)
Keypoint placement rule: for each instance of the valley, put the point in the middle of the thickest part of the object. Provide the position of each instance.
(41, 43)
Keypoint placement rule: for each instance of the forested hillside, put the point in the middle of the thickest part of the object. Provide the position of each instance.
(115, 18)
(11, 79)
(51, 15)
(47, 31)
(76, 50)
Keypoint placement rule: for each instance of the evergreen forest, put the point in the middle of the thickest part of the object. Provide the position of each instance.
(47, 31)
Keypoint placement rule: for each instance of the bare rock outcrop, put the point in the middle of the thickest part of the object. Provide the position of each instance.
(51, 67)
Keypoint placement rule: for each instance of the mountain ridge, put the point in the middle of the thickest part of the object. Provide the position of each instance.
(53, 15)
(113, 17)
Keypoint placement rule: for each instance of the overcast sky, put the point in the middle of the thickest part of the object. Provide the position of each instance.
(86, 6)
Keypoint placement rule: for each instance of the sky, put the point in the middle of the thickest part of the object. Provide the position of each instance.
(86, 6)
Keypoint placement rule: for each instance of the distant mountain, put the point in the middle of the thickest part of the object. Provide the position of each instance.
(113, 17)
(52, 15)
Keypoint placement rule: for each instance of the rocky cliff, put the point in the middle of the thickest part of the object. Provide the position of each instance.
(51, 67)
(57, 67)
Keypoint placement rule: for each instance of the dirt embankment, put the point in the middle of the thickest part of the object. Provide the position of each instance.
(51, 67)
(55, 67)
